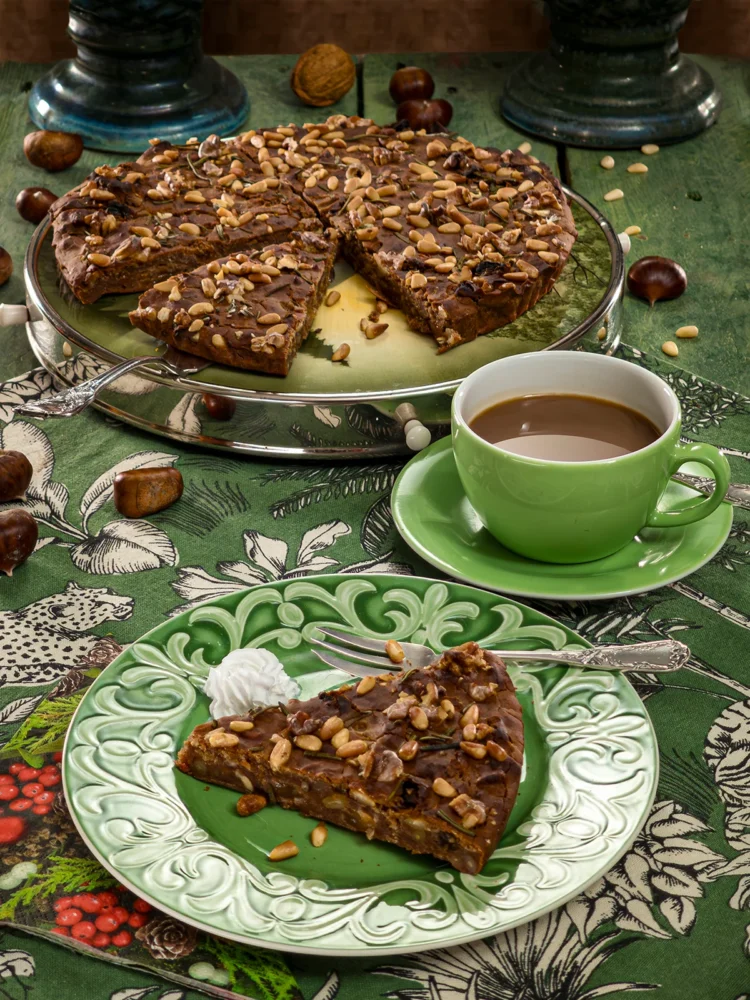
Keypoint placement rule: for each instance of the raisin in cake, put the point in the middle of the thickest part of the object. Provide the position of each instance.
(429, 759)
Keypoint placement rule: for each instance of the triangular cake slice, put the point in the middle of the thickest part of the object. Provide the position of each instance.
(249, 310)
(428, 759)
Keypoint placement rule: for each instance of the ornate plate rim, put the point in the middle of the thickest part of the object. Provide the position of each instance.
(647, 796)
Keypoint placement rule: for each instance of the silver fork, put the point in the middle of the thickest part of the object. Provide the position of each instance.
(76, 398)
(360, 657)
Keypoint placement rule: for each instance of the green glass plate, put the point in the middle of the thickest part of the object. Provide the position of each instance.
(434, 516)
(589, 777)
(398, 359)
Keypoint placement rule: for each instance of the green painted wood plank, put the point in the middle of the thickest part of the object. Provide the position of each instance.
(693, 205)
(272, 102)
(472, 83)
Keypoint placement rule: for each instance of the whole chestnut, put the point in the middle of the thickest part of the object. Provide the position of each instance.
(140, 492)
(433, 115)
(655, 278)
(33, 203)
(15, 475)
(219, 407)
(6, 265)
(52, 151)
(410, 83)
(18, 535)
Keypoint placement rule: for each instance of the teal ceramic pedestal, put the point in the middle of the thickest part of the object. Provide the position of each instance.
(613, 77)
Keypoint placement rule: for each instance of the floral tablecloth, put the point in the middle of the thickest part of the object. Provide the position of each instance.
(671, 917)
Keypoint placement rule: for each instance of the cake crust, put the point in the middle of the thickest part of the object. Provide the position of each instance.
(429, 759)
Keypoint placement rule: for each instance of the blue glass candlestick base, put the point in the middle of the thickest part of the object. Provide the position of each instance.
(139, 73)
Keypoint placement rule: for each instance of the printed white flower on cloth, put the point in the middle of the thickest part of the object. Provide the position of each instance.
(247, 679)
(663, 872)
(543, 960)
(727, 753)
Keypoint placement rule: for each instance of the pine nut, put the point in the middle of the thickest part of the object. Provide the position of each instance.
(475, 750)
(269, 319)
(341, 353)
(200, 308)
(601, 333)
(373, 330)
(443, 788)
(332, 297)
(650, 148)
(470, 732)
(306, 741)
(669, 347)
(418, 280)
(447, 707)
(190, 228)
(428, 246)
(283, 851)
(330, 727)
(339, 738)
(408, 750)
(418, 717)
(280, 754)
(218, 341)
(536, 245)
(393, 224)
(194, 196)
(637, 168)
(548, 256)
(165, 286)
(100, 259)
(614, 195)
(470, 716)
(351, 749)
(524, 148)
(607, 162)
(394, 652)
(525, 186)
(391, 211)
(495, 750)
(687, 332)
(241, 725)
(632, 230)
(248, 805)
(319, 835)
(365, 685)
(218, 738)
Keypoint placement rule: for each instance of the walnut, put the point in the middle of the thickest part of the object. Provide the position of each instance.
(323, 75)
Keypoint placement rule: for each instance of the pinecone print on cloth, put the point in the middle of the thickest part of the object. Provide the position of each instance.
(167, 939)
(67, 685)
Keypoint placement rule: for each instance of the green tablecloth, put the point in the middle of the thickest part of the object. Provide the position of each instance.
(671, 917)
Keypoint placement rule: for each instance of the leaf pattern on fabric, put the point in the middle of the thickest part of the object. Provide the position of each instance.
(125, 547)
(184, 418)
(101, 490)
(32, 385)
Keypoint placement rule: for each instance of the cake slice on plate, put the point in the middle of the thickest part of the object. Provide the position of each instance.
(429, 759)
(249, 310)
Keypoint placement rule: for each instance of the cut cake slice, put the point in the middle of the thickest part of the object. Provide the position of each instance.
(429, 759)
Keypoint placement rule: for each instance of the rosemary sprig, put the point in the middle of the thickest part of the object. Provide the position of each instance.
(325, 756)
(283, 708)
(447, 819)
(396, 788)
(439, 746)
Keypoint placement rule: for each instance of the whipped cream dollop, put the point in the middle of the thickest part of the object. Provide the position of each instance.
(247, 679)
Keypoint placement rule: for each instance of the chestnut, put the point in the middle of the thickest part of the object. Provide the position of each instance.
(52, 151)
(655, 278)
(411, 83)
(6, 265)
(18, 535)
(140, 492)
(433, 115)
(33, 203)
(15, 475)
(219, 407)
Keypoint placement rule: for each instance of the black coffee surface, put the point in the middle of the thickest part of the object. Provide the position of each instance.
(564, 428)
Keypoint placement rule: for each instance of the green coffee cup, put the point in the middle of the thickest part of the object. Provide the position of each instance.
(572, 512)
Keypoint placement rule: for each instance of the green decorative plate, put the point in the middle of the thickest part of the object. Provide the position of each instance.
(435, 518)
(590, 773)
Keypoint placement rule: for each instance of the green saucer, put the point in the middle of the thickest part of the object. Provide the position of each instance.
(435, 518)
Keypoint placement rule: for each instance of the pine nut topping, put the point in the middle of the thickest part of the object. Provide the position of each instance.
(632, 230)
(218, 341)
(341, 353)
(608, 162)
(470, 716)
(449, 227)
(164, 313)
(418, 280)
(100, 259)
(268, 319)
(418, 717)
(365, 685)
(218, 738)
(614, 195)
(475, 750)
(393, 224)
(241, 725)
(536, 245)
(687, 332)
(248, 805)
(443, 788)
(408, 750)
(339, 738)
(200, 308)
(495, 750)
(394, 652)
(548, 256)
(319, 835)
(280, 754)
(330, 727)
(190, 228)
(601, 333)
(373, 330)
(194, 196)
(525, 186)
(351, 749)
(283, 851)
(306, 741)
(332, 297)
(524, 148)
(650, 148)
(637, 168)
(165, 286)
(669, 347)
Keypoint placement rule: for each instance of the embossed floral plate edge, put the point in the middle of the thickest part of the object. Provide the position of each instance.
(594, 794)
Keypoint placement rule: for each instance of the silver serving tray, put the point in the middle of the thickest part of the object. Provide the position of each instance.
(273, 422)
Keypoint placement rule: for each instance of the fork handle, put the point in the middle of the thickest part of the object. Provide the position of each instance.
(652, 657)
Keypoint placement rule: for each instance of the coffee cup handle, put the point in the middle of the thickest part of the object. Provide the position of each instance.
(706, 454)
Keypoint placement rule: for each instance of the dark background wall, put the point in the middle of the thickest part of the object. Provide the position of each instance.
(34, 30)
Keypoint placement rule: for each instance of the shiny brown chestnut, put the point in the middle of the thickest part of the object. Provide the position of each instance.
(6, 265)
(140, 492)
(18, 535)
(410, 83)
(430, 115)
(15, 475)
(33, 203)
(655, 278)
(219, 407)
(52, 151)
